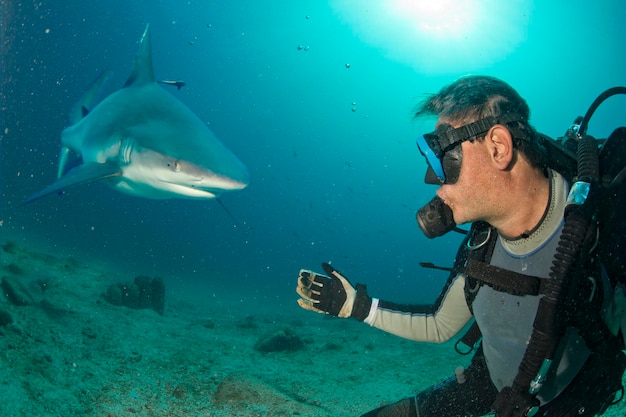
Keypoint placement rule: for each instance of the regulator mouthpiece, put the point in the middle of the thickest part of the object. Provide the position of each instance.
(435, 218)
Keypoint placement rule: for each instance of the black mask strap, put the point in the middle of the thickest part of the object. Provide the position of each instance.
(453, 136)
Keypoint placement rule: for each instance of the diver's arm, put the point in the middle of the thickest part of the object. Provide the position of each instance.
(436, 323)
(335, 295)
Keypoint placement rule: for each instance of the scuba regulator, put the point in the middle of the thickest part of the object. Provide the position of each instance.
(435, 218)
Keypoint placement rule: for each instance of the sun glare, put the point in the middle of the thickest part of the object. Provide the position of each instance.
(439, 18)
(439, 36)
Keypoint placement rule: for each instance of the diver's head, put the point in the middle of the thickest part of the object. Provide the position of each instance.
(473, 98)
(466, 110)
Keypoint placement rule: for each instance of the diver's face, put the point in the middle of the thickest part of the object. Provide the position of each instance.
(471, 196)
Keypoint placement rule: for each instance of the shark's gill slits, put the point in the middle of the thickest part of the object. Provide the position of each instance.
(126, 150)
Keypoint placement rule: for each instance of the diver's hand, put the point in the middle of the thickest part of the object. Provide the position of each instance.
(332, 294)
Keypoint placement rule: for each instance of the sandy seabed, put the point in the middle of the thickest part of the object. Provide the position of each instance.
(68, 353)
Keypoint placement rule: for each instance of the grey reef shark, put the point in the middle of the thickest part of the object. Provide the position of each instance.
(144, 142)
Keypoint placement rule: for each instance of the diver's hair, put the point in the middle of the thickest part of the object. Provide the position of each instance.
(476, 97)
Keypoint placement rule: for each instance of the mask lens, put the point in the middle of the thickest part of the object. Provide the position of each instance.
(451, 163)
(442, 148)
(435, 169)
(431, 177)
(443, 155)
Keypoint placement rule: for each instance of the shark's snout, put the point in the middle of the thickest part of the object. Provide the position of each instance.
(225, 183)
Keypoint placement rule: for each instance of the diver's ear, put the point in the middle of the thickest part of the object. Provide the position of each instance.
(500, 145)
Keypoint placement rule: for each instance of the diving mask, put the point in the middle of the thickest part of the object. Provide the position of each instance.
(442, 151)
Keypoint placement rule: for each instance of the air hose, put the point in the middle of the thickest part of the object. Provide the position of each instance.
(582, 129)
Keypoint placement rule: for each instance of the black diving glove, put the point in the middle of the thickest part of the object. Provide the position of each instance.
(332, 294)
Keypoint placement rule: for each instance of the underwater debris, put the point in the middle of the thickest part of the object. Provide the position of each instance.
(5, 317)
(9, 247)
(208, 324)
(16, 292)
(144, 293)
(14, 269)
(248, 322)
(279, 340)
(242, 392)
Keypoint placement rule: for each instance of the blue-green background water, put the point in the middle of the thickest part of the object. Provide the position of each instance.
(315, 97)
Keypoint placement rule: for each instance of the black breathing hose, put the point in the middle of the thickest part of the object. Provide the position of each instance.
(596, 103)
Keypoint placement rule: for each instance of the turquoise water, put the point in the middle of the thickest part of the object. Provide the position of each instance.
(335, 173)
(315, 98)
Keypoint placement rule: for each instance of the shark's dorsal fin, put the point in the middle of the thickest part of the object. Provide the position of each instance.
(142, 71)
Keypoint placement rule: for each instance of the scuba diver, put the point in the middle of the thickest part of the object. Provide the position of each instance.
(540, 273)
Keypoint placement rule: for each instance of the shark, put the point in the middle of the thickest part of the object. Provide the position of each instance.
(144, 142)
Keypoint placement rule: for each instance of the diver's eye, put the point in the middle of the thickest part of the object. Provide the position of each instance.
(175, 166)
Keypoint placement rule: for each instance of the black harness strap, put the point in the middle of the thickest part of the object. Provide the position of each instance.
(503, 280)
(476, 247)
(469, 339)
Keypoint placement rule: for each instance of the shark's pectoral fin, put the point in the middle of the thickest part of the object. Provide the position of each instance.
(81, 174)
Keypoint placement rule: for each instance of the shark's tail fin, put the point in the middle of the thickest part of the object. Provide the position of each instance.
(92, 96)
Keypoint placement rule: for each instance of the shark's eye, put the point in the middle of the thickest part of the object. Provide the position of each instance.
(175, 165)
